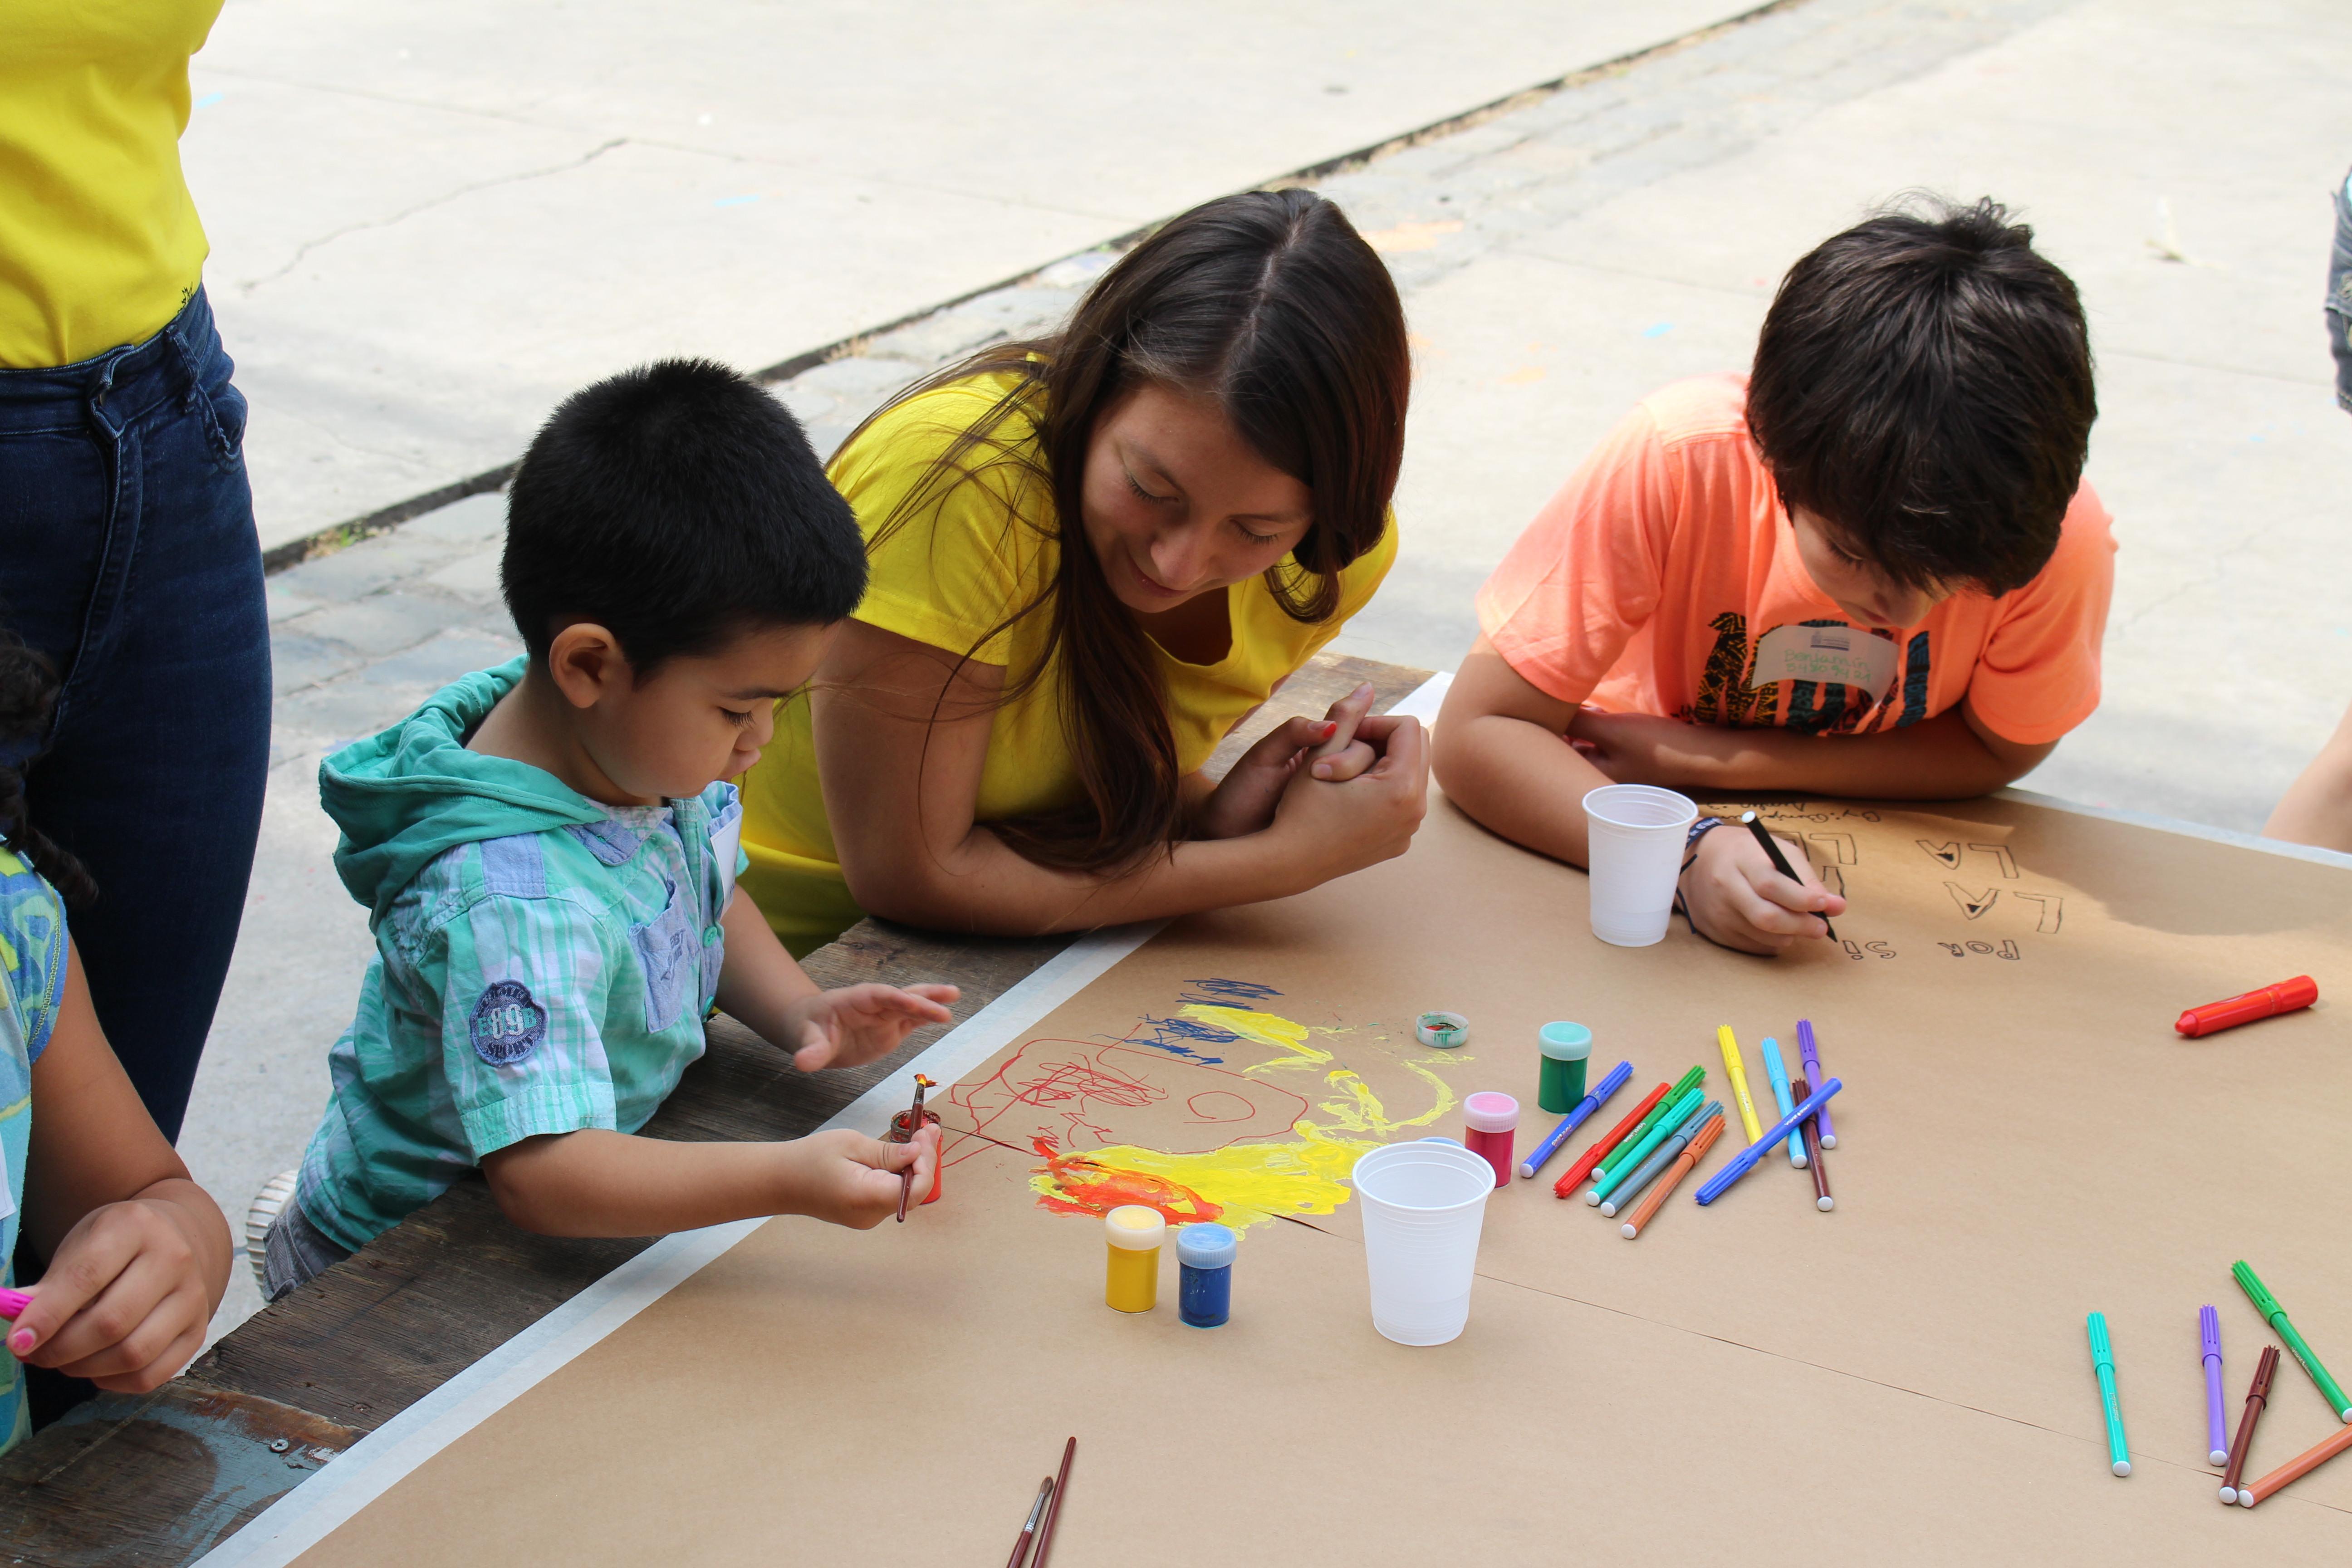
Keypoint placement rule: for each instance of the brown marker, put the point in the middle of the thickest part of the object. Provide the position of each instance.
(1799, 1091)
(2257, 1397)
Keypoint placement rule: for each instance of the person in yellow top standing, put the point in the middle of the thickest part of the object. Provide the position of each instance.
(128, 557)
(1092, 555)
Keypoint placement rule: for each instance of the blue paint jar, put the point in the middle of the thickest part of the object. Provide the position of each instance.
(1204, 1275)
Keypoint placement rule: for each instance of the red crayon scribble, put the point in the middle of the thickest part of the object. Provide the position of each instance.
(1084, 1186)
(1081, 1094)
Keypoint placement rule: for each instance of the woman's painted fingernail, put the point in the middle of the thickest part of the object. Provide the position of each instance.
(21, 1341)
(1330, 728)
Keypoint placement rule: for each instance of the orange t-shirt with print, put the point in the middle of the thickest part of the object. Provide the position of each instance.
(1663, 578)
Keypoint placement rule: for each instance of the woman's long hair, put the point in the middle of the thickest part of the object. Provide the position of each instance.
(1268, 303)
(28, 691)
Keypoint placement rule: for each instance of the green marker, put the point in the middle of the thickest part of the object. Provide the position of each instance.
(2276, 1315)
(1683, 1086)
(1605, 1183)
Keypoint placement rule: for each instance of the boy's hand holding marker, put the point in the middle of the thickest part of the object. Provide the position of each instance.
(1738, 896)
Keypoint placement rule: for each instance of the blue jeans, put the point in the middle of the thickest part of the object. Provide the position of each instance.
(2339, 295)
(127, 555)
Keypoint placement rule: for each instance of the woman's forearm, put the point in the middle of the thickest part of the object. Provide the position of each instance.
(984, 886)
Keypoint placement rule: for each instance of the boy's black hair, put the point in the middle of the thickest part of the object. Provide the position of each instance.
(677, 505)
(1923, 383)
(28, 691)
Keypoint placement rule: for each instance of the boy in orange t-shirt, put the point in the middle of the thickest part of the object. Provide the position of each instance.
(1868, 568)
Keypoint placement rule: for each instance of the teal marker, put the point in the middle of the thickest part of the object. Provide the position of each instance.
(1778, 1071)
(1662, 1129)
(2103, 1361)
(1618, 1156)
(2276, 1315)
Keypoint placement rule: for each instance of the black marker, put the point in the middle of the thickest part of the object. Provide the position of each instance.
(1780, 863)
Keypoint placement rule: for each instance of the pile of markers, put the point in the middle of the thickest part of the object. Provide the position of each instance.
(1639, 1164)
(2228, 1453)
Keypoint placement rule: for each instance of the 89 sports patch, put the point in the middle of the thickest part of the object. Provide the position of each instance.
(507, 1025)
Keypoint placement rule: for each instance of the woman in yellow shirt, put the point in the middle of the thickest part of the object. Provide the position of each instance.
(1092, 555)
(128, 557)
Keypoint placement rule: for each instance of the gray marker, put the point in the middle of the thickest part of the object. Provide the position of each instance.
(1667, 1152)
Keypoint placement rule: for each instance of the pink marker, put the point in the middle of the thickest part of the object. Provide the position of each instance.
(13, 1302)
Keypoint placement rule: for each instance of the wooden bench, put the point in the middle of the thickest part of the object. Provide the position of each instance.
(161, 1479)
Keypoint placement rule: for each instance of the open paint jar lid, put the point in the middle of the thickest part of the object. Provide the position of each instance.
(1443, 1030)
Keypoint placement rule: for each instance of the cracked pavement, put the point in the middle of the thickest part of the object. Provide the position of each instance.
(1559, 259)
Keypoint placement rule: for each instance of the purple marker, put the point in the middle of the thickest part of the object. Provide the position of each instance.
(1813, 1074)
(13, 1303)
(2217, 1435)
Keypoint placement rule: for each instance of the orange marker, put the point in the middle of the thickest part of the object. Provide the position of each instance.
(2287, 996)
(2294, 1469)
(1575, 1174)
(1684, 1164)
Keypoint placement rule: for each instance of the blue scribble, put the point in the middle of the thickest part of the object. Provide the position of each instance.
(1227, 992)
(1171, 1034)
(1658, 331)
(734, 201)
(207, 100)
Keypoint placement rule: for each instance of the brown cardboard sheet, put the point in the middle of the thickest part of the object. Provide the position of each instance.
(2022, 1139)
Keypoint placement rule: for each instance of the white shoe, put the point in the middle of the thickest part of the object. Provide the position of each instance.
(268, 1204)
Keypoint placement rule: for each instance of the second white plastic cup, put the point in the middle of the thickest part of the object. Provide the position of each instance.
(1635, 834)
(1424, 1206)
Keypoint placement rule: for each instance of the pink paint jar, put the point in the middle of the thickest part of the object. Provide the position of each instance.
(1490, 1121)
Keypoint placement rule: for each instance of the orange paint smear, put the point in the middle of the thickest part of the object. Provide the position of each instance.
(1082, 1186)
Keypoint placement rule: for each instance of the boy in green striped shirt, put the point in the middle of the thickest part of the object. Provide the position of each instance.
(548, 852)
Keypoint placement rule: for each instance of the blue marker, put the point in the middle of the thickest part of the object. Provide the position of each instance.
(1778, 1071)
(1617, 1079)
(1745, 1161)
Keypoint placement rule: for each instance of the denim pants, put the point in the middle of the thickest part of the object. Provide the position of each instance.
(127, 555)
(2339, 295)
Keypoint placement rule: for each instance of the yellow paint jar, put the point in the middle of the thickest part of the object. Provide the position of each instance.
(1135, 1233)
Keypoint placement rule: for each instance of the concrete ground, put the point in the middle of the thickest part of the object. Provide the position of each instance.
(1558, 261)
(430, 221)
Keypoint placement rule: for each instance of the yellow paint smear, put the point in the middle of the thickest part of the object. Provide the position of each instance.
(1250, 1182)
(1269, 1029)
(1253, 1181)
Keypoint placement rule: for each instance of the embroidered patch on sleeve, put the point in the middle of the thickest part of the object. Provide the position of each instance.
(507, 1025)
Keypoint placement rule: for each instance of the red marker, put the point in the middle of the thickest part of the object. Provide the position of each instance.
(2287, 996)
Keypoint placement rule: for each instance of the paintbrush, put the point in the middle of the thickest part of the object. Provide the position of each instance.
(1780, 863)
(1029, 1529)
(1054, 1507)
(914, 1125)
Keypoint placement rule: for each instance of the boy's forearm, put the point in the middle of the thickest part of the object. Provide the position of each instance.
(1939, 759)
(598, 1182)
(1519, 780)
(758, 983)
(2317, 807)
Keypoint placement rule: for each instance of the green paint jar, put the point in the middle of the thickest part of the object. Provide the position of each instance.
(1565, 1047)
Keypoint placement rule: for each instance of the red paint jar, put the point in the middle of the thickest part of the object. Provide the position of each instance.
(1491, 1123)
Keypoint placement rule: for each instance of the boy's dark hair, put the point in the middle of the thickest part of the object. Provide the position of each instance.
(677, 505)
(28, 691)
(1923, 383)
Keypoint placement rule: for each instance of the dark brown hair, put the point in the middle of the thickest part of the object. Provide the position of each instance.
(1270, 304)
(1923, 383)
(28, 694)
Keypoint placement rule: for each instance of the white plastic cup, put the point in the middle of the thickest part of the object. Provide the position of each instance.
(1424, 1206)
(1635, 834)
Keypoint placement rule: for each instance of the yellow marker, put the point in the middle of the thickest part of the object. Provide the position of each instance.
(1732, 1065)
(1135, 1233)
